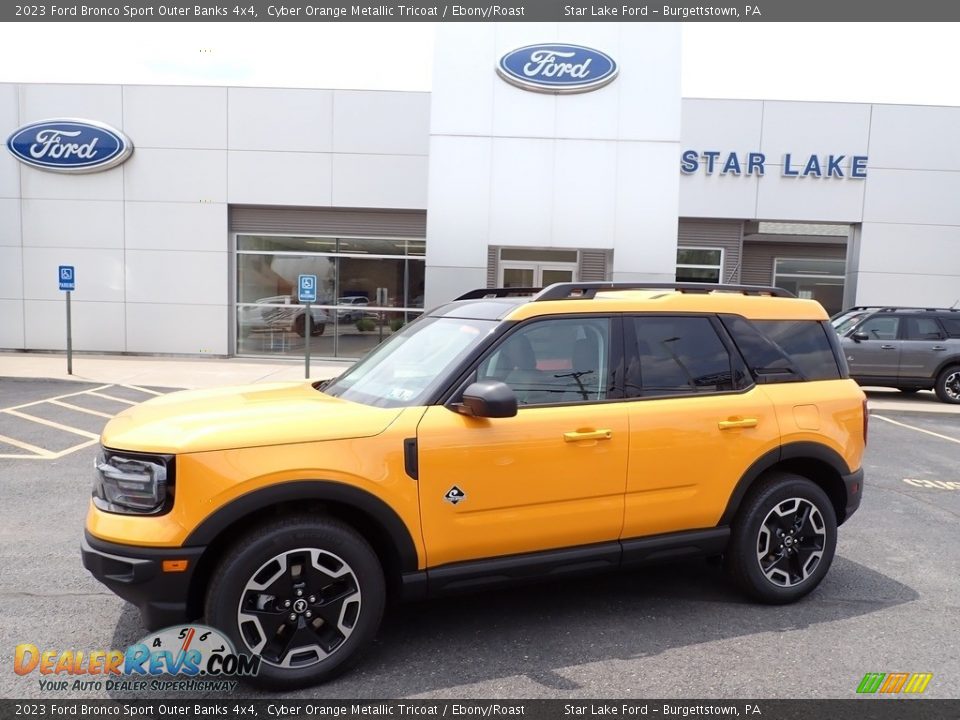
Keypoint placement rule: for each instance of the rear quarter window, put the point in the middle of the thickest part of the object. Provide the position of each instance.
(785, 350)
(806, 343)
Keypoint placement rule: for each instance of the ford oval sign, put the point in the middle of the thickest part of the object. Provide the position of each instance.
(70, 145)
(557, 68)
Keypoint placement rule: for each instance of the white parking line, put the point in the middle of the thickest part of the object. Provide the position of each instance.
(918, 429)
(111, 397)
(81, 409)
(51, 423)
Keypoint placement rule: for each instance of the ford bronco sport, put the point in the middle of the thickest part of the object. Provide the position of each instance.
(907, 348)
(496, 438)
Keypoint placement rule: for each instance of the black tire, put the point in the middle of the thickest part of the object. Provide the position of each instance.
(947, 386)
(335, 566)
(793, 571)
(300, 327)
(909, 391)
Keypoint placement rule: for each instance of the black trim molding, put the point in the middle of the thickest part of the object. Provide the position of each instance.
(304, 491)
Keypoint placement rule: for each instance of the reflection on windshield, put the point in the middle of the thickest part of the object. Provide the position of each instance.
(403, 371)
(845, 322)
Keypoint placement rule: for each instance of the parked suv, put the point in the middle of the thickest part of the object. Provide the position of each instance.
(907, 348)
(496, 438)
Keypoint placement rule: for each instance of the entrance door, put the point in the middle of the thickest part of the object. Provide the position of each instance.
(529, 274)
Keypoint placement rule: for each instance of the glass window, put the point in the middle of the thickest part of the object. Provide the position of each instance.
(805, 344)
(922, 328)
(367, 288)
(534, 255)
(700, 265)
(678, 356)
(951, 325)
(553, 361)
(845, 322)
(880, 327)
(405, 370)
(820, 279)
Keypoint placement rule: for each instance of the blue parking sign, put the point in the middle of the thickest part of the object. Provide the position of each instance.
(68, 277)
(307, 288)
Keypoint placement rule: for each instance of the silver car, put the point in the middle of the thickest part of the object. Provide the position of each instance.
(280, 312)
(906, 348)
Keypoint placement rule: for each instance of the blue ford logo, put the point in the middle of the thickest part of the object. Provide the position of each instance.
(557, 68)
(70, 145)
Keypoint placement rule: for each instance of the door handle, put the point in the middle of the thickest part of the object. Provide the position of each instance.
(938, 347)
(744, 423)
(888, 347)
(578, 435)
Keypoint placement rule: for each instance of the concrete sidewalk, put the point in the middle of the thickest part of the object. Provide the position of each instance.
(162, 371)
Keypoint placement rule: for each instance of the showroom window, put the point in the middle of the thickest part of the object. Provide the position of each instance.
(819, 279)
(699, 265)
(367, 288)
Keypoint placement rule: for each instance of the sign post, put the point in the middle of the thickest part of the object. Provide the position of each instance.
(306, 294)
(68, 283)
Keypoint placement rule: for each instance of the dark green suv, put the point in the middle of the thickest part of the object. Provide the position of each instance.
(903, 347)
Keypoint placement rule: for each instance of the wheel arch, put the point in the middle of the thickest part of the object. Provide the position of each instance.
(376, 521)
(949, 362)
(818, 463)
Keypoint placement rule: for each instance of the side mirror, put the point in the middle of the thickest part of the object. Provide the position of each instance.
(859, 336)
(488, 399)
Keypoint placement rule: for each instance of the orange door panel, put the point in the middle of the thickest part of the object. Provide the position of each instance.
(687, 454)
(550, 477)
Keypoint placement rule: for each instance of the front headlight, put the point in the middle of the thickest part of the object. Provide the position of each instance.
(131, 483)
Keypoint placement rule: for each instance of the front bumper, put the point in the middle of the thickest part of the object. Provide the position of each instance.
(136, 574)
(854, 485)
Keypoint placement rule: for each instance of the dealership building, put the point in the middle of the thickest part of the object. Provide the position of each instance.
(517, 169)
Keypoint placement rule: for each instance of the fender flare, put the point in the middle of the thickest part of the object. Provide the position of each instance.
(305, 490)
(790, 451)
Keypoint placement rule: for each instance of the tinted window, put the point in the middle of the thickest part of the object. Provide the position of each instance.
(951, 325)
(805, 344)
(554, 361)
(676, 356)
(880, 327)
(923, 328)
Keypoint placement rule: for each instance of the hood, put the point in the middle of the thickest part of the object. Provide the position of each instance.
(244, 416)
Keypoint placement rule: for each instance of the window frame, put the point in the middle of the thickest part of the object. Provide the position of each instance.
(615, 364)
(630, 341)
(688, 266)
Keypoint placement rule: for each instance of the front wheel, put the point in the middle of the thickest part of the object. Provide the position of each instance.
(948, 385)
(784, 539)
(304, 594)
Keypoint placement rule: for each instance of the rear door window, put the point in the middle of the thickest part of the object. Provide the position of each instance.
(923, 328)
(677, 356)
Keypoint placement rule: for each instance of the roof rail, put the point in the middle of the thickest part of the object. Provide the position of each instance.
(588, 290)
(481, 293)
(895, 308)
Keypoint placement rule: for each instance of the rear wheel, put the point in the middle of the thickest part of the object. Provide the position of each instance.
(783, 540)
(304, 594)
(300, 327)
(948, 385)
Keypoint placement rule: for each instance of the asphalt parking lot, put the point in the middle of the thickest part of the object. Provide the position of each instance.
(888, 604)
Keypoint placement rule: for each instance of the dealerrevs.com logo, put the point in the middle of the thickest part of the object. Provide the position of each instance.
(189, 657)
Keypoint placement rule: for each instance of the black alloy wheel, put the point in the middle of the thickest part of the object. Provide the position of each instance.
(783, 540)
(304, 594)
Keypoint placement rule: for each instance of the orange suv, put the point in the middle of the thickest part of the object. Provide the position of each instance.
(497, 438)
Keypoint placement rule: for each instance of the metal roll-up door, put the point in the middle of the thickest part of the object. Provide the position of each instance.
(329, 221)
(724, 234)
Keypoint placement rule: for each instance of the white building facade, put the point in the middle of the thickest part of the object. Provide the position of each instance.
(396, 201)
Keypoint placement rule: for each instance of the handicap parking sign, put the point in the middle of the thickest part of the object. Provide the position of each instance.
(307, 288)
(68, 277)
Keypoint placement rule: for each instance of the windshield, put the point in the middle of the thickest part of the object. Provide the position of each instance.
(845, 322)
(403, 371)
